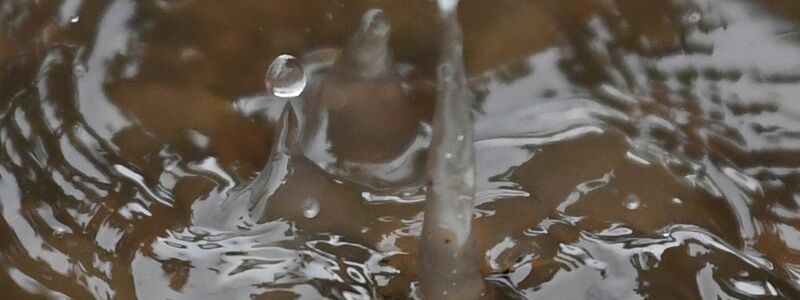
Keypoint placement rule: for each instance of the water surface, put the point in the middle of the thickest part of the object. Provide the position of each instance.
(625, 150)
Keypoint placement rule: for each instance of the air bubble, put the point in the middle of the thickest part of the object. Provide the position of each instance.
(75, 19)
(310, 208)
(285, 77)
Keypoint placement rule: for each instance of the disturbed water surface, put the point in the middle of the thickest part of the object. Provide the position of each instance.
(625, 150)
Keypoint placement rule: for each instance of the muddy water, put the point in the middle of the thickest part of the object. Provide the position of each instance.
(624, 150)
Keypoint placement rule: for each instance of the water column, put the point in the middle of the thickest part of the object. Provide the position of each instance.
(449, 266)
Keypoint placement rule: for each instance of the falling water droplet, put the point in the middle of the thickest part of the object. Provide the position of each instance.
(285, 77)
(75, 19)
(632, 202)
(310, 208)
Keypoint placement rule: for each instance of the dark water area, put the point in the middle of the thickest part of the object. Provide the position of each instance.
(624, 149)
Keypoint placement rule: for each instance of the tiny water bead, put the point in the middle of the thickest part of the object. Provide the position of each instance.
(285, 77)
(74, 19)
(310, 207)
(632, 202)
(79, 70)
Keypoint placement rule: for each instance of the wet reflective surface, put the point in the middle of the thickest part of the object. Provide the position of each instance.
(624, 149)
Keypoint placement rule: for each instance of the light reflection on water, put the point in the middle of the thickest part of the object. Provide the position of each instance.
(625, 150)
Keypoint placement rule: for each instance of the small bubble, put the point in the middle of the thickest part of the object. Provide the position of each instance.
(460, 138)
(285, 77)
(448, 155)
(75, 19)
(310, 208)
(632, 202)
(677, 201)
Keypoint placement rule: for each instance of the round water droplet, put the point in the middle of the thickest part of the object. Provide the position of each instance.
(75, 19)
(460, 138)
(632, 202)
(79, 70)
(285, 77)
(448, 155)
(310, 208)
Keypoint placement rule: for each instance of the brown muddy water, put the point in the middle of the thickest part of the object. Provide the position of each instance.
(625, 149)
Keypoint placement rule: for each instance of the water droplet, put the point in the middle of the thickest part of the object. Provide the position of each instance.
(693, 17)
(189, 54)
(285, 77)
(632, 202)
(198, 139)
(75, 19)
(79, 70)
(310, 208)
(448, 155)
(460, 138)
(677, 201)
(61, 232)
(375, 23)
(171, 4)
(447, 5)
